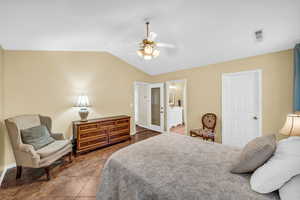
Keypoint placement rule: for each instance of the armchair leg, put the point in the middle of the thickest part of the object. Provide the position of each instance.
(19, 172)
(47, 169)
(70, 157)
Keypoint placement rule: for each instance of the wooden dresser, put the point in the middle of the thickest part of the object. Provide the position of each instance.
(100, 132)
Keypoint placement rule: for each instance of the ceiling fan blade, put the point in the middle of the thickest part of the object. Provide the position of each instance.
(165, 45)
(152, 36)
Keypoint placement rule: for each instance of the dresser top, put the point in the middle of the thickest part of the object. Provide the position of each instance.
(101, 119)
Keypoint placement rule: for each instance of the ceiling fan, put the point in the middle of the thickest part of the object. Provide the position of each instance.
(148, 47)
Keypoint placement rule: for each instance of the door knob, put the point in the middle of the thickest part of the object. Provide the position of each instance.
(255, 118)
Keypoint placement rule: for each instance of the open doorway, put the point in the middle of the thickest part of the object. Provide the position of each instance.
(141, 109)
(160, 107)
(149, 112)
(176, 106)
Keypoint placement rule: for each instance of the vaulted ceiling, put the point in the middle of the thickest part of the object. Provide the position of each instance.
(204, 31)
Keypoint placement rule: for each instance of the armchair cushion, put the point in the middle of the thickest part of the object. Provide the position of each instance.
(198, 132)
(58, 136)
(37, 136)
(53, 148)
(203, 132)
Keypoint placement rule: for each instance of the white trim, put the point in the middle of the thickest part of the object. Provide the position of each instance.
(141, 83)
(147, 127)
(5, 170)
(132, 133)
(150, 128)
(259, 71)
(241, 72)
(135, 83)
(142, 126)
(260, 100)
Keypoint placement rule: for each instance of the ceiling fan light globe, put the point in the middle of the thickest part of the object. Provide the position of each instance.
(155, 53)
(147, 57)
(140, 52)
(148, 49)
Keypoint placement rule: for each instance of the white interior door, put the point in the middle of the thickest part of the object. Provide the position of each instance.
(241, 107)
(156, 106)
(141, 103)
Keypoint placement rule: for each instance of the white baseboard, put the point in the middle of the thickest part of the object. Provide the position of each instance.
(144, 126)
(7, 167)
(148, 127)
(132, 133)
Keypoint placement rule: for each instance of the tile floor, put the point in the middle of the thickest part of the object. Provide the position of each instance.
(70, 181)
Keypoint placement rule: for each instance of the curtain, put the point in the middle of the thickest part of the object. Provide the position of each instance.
(297, 78)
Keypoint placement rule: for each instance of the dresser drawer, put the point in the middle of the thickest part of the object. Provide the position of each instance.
(119, 128)
(100, 132)
(107, 124)
(119, 133)
(88, 127)
(92, 134)
(123, 121)
(86, 144)
(119, 138)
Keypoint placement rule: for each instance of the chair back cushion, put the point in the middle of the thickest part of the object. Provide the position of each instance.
(26, 121)
(37, 136)
(209, 121)
(14, 126)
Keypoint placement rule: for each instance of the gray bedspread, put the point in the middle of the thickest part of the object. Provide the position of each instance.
(171, 166)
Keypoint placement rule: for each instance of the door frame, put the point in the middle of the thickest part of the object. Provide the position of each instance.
(259, 71)
(160, 128)
(184, 103)
(135, 109)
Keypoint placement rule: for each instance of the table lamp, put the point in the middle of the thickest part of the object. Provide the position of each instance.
(291, 126)
(83, 103)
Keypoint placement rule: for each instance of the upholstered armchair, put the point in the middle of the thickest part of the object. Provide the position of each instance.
(25, 154)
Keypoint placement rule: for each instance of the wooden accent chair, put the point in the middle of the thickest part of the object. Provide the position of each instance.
(25, 154)
(209, 121)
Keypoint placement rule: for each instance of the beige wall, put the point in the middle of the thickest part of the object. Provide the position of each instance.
(48, 83)
(204, 88)
(2, 136)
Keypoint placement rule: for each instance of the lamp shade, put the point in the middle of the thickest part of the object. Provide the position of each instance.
(82, 101)
(291, 126)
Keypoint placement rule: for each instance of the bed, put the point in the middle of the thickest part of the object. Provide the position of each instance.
(177, 167)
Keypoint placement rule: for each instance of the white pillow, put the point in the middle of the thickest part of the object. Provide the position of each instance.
(280, 168)
(290, 190)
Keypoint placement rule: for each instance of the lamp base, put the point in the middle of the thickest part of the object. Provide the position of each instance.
(83, 113)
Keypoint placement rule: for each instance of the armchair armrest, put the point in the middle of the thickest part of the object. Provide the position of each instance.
(27, 156)
(27, 148)
(58, 136)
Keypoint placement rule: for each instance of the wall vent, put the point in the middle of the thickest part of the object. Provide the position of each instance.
(259, 35)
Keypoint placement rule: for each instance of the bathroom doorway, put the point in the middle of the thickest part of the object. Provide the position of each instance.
(176, 112)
